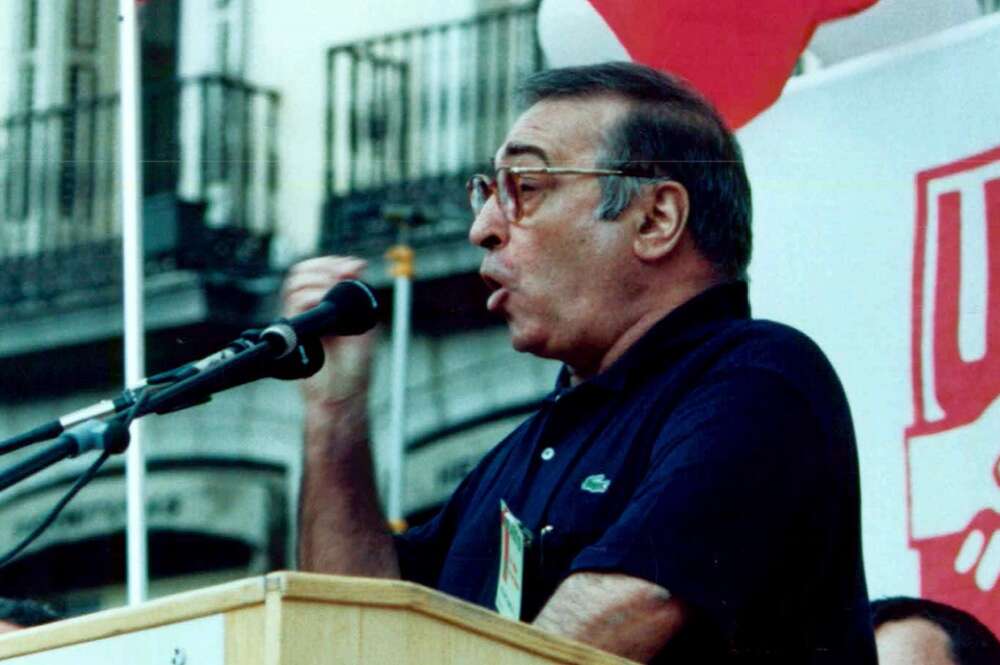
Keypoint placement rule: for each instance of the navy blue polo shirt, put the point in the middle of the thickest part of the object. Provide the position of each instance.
(716, 458)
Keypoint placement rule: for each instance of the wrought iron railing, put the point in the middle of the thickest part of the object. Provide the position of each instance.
(210, 179)
(410, 115)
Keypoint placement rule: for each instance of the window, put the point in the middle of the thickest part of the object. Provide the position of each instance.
(83, 24)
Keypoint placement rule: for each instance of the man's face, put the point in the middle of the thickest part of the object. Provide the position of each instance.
(912, 642)
(558, 275)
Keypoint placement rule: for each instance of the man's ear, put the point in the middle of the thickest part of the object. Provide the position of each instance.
(664, 218)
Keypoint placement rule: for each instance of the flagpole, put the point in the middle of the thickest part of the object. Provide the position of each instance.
(401, 269)
(132, 277)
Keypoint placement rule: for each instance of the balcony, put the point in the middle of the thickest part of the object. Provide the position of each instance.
(210, 177)
(409, 117)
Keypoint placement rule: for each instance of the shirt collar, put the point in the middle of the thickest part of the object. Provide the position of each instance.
(676, 331)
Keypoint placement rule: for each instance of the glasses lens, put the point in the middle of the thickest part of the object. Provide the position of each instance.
(508, 188)
(479, 188)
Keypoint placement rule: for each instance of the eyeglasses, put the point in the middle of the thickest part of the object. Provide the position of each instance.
(507, 187)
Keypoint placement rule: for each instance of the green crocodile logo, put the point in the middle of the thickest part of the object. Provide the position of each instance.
(595, 484)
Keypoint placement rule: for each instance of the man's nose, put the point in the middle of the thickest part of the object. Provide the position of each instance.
(489, 229)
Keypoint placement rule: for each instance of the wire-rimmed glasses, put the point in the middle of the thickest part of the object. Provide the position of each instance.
(506, 184)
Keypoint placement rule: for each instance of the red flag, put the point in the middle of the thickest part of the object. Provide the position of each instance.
(738, 53)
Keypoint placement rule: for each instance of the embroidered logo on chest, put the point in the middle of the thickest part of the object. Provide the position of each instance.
(596, 484)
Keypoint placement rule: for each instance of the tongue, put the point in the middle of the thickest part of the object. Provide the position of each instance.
(496, 299)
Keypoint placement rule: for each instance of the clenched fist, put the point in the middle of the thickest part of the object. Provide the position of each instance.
(346, 371)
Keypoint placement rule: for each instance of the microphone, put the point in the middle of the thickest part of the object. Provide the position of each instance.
(242, 342)
(291, 344)
(349, 308)
(305, 360)
(309, 360)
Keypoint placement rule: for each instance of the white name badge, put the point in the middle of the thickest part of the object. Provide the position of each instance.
(513, 539)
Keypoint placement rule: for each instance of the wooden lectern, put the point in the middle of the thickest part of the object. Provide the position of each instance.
(296, 619)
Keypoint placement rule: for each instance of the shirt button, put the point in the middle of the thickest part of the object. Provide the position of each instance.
(548, 454)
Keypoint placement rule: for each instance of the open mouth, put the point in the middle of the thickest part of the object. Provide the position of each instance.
(491, 283)
(498, 293)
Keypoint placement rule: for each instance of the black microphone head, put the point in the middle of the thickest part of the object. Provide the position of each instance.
(356, 308)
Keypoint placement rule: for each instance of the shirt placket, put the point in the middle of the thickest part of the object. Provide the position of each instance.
(556, 452)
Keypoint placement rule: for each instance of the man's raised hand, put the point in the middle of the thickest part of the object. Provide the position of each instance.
(346, 371)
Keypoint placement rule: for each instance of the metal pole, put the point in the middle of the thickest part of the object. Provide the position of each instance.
(401, 269)
(132, 276)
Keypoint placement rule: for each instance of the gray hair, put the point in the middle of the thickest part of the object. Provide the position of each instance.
(670, 131)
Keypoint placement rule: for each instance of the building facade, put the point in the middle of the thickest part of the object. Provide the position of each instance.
(260, 148)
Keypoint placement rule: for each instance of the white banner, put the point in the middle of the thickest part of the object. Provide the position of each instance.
(877, 221)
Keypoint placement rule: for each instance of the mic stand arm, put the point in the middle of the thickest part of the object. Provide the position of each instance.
(54, 428)
(186, 391)
(111, 436)
(109, 407)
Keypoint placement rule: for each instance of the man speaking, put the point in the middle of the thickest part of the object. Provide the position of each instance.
(689, 491)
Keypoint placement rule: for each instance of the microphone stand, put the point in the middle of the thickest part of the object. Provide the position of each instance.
(85, 430)
(111, 437)
(110, 407)
(154, 385)
(349, 308)
(54, 428)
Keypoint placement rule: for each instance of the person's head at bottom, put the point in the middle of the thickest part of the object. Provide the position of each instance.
(16, 614)
(916, 631)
